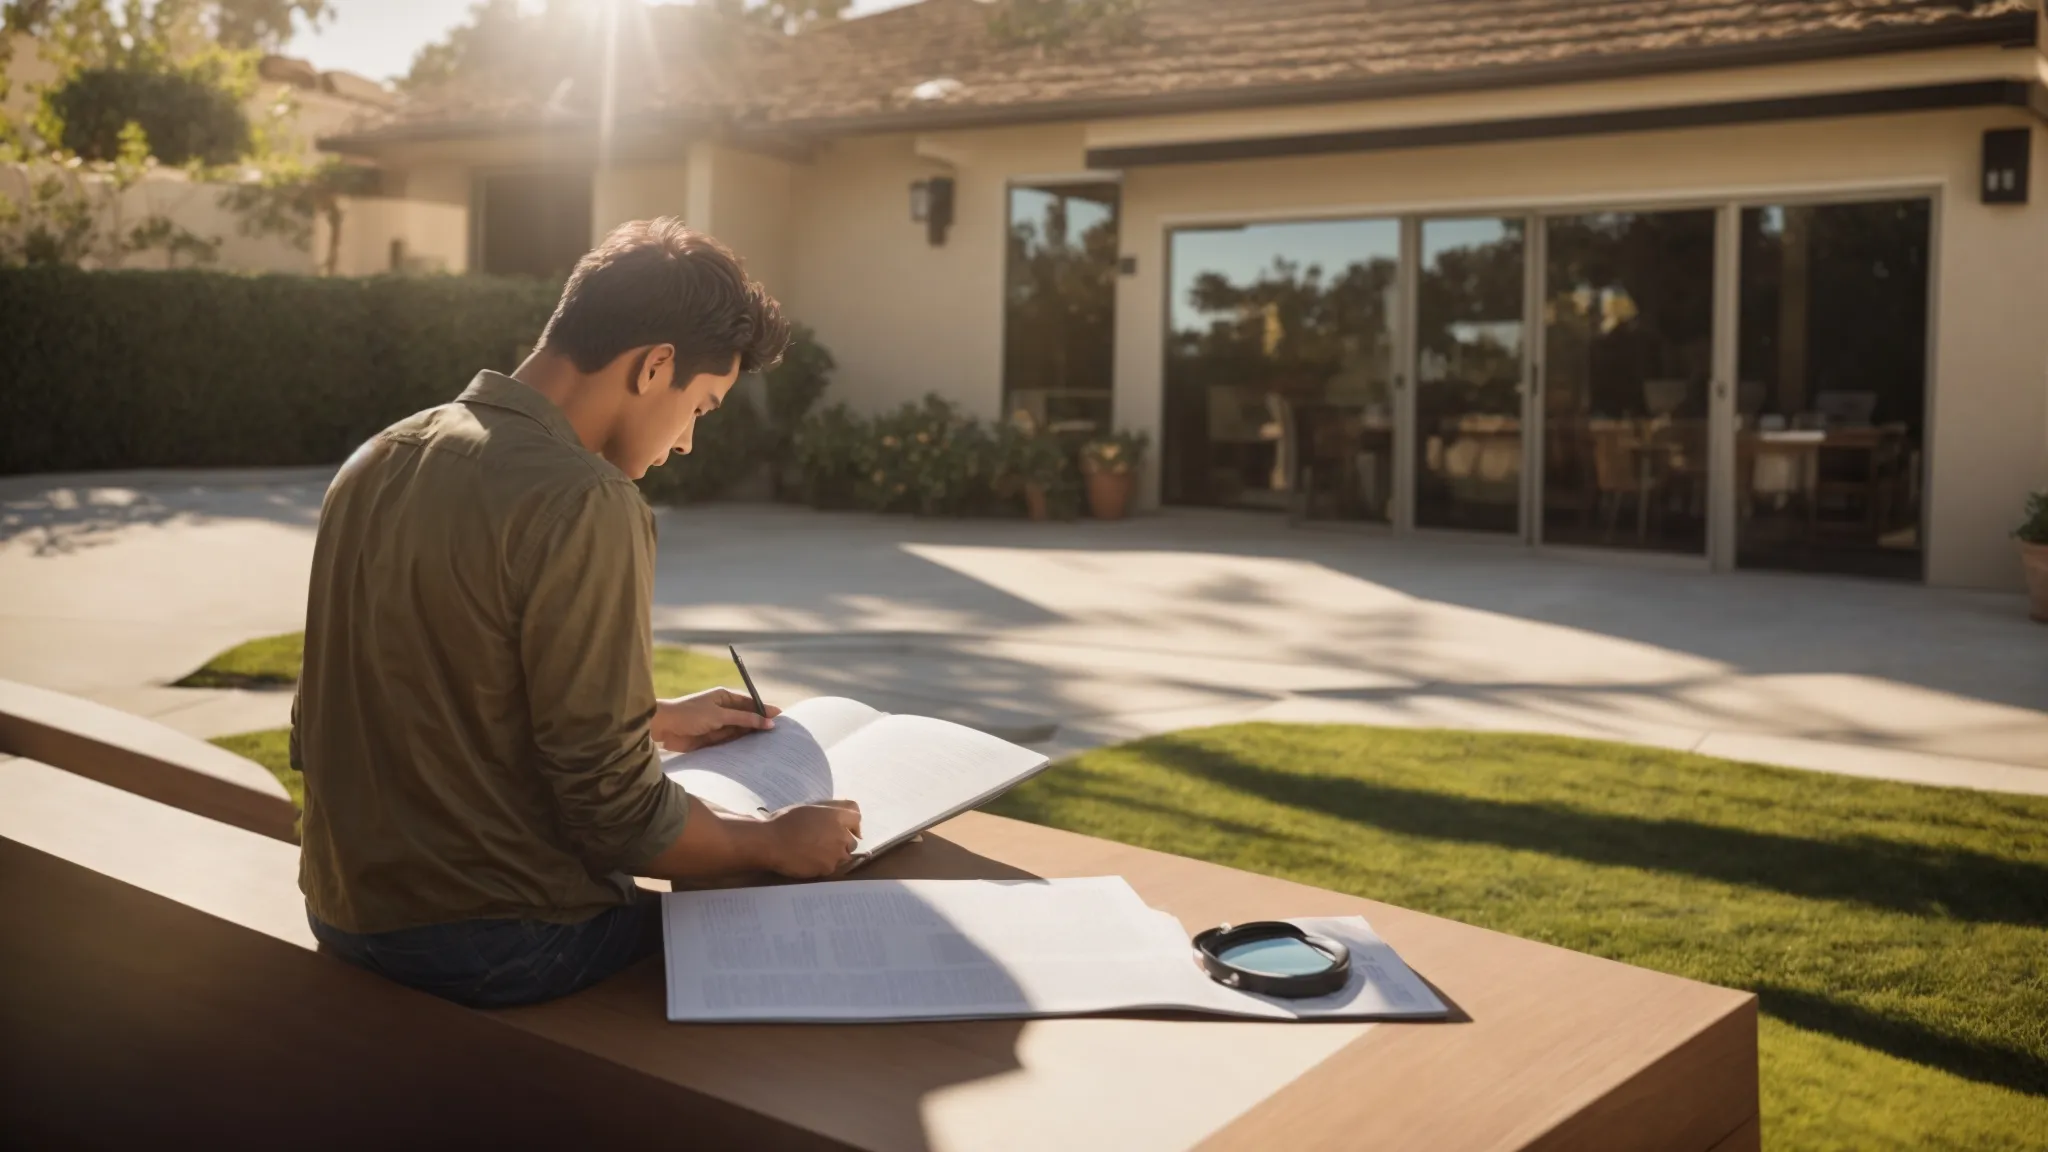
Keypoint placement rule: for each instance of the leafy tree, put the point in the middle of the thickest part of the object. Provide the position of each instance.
(783, 15)
(114, 32)
(505, 48)
(1049, 25)
(142, 84)
(185, 116)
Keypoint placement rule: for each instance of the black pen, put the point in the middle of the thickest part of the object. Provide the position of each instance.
(760, 709)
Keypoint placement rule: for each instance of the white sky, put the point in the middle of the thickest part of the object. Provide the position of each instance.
(377, 38)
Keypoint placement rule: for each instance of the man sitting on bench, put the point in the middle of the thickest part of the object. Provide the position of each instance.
(476, 720)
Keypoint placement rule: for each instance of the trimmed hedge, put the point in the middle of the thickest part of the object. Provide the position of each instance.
(103, 370)
(107, 370)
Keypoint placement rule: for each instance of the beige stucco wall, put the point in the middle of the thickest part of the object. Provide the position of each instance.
(749, 202)
(903, 317)
(622, 192)
(435, 235)
(1989, 388)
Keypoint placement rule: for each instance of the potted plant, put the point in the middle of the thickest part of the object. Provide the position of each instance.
(1034, 464)
(2033, 537)
(1110, 465)
(1043, 465)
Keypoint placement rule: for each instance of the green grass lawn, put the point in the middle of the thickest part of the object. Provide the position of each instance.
(1896, 936)
(272, 662)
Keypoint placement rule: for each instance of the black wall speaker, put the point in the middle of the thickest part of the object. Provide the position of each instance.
(2007, 152)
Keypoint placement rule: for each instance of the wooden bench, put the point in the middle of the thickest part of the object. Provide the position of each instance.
(143, 757)
(129, 1010)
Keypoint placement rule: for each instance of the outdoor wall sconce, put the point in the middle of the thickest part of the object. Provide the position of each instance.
(931, 204)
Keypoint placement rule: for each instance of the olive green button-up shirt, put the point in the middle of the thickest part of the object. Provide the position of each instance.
(473, 719)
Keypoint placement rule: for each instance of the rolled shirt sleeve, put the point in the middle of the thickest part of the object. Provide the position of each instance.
(587, 646)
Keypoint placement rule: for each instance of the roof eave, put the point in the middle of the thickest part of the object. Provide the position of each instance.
(2015, 30)
(376, 141)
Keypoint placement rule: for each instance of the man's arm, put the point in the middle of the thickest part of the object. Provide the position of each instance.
(587, 647)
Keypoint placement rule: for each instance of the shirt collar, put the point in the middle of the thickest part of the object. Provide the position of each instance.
(497, 390)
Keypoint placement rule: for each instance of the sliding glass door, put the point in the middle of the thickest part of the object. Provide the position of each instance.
(1832, 387)
(1469, 372)
(1740, 384)
(1628, 338)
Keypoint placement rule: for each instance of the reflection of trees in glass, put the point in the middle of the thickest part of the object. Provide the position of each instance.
(1629, 299)
(1292, 331)
(1061, 295)
(1468, 327)
(1856, 317)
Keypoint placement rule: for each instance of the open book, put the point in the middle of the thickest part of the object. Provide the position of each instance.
(868, 950)
(907, 773)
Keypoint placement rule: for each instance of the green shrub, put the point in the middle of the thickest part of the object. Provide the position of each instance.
(830, 448)
(106, 370)
(2034, 529)
(926, 457)
(791, 390)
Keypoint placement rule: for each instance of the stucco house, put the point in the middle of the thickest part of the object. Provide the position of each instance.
(1713, 283)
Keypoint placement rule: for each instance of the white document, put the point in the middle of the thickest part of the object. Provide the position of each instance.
(869, 950)
(907, 773)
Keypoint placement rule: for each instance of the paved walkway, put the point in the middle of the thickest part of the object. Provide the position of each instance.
(112, 586)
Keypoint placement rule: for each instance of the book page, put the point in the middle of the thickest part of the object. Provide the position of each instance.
(913, 950)
(788, 764)
(910, 772)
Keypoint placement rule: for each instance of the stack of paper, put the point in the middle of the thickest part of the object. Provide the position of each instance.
(864, 950)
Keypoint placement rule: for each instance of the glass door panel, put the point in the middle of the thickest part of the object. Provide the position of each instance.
(1280, 360)
(1059, 316)
(1831, 395)
(1468, 372)
(1628, 315)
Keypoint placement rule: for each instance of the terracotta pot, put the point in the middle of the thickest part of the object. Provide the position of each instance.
(1109, 494)
(2035, 559)
(1034, 502)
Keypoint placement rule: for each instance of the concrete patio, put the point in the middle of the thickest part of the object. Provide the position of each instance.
(1076, 634)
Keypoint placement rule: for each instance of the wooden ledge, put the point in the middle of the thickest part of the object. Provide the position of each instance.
(139, 755)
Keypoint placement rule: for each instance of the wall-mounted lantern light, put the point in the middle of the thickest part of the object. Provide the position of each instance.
(931, 204)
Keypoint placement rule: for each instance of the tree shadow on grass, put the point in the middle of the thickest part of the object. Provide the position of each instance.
(1904, 877)
(1039, 801)
(1906, 1040)
(1909, 878)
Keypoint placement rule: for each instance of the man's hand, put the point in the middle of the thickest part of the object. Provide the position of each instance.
(806, 841)
(803, 841)
(711, 717)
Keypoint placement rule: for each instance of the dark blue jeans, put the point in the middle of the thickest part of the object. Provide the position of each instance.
(502, 963)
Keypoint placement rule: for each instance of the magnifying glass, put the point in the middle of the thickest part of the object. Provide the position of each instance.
(1274, 958)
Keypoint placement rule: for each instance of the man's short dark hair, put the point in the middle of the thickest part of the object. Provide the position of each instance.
(658, 282)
